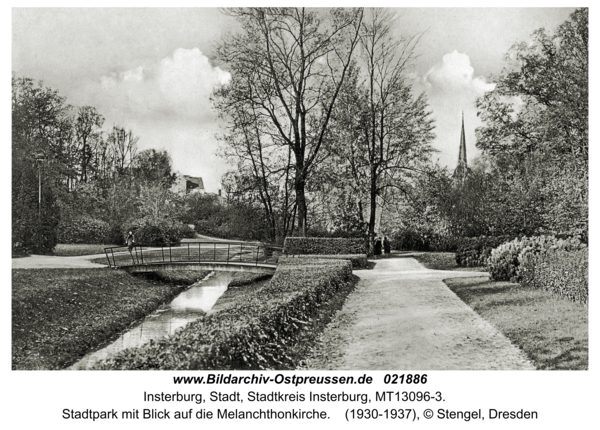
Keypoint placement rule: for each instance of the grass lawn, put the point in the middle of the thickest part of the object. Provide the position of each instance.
(58, 315)
(552, 331)
(439, 261)
(75, 249)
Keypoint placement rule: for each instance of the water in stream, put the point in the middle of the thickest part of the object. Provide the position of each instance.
(186, 307)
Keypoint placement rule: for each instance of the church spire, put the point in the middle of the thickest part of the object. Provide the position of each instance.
(461, 168)
(462, 154)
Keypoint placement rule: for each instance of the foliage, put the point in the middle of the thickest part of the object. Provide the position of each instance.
(152, 166)
(541, 102)
(151, 230)
(562, 272)
(38, 125)
(504, 263)
(84, 229)
(475, 251)
(33, 226)
(239, 221)
(58, 315)
(412, 239)
(504, 260)
(257, 333)
(536, 130)
(323, 246)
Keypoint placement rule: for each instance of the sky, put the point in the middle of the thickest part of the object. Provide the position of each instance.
(152, 71)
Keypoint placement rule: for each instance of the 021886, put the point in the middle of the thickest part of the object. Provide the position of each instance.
(405, 379)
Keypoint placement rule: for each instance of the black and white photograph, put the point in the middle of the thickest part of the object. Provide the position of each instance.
(300, 195)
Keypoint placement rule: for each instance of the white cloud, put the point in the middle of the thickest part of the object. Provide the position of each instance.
(455, 73)
(187, 80)
(176, 86)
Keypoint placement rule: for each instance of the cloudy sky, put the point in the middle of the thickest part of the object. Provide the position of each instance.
(151, 69)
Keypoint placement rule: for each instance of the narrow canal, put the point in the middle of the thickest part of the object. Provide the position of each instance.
(186, 307)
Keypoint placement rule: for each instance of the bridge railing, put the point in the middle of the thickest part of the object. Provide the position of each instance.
(246, 253)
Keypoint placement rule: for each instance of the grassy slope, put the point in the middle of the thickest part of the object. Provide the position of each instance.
(552, 331)
(58, 315)
(74, 249)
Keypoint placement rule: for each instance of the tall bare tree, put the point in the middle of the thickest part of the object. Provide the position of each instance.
(289, 64)
(385, 130)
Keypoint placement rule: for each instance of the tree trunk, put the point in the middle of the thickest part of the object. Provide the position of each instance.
(301, 204)
(373, 209)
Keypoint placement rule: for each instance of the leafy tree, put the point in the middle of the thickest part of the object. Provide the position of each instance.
(40, 123)
(536, 129)
(88, 133)
(541, 101)
(152, 166)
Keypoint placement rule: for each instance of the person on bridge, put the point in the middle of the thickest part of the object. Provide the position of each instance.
(130, 241)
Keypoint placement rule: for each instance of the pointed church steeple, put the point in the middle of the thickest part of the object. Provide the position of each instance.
(462, 154)
(461, 168)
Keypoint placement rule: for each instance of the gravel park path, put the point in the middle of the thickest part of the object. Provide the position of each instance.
(402, 316)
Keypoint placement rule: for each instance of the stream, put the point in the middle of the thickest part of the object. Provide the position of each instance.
(186, 307)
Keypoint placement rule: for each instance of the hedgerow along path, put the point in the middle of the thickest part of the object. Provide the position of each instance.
(402, 316)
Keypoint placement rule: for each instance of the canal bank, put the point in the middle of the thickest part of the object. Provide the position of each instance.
(188, 306)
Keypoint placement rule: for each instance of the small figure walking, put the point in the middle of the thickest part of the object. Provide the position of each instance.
(130, 241)
(386, 246)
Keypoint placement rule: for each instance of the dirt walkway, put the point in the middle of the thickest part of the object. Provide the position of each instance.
(402, 316)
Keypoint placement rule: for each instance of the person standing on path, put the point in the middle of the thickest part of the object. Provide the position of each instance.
(386, 246)
(377, 250)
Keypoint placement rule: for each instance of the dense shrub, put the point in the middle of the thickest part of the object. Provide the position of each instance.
(324, 246)
(540, 245)
(505, 261)
(84, 229)
(188, 231)
(410, 240)
(257, 333)
(475, 251)
(155, 231)
(564, 273)
(443, 243)
(359, 261)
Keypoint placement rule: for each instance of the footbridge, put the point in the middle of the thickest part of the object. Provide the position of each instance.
(221, 256)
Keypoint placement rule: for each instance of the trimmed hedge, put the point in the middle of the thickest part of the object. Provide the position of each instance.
(84, 229)
(564, 273)
(255, 334)
(359, 261)
(324, 246)
(475, 251)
